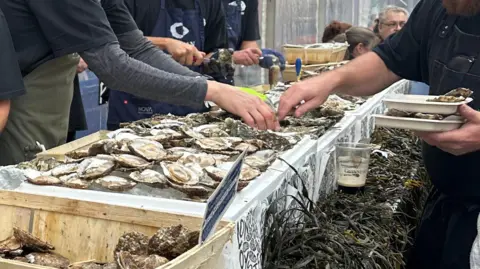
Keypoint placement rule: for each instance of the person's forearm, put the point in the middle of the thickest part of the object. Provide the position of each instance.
(120, 72)
(249, 45)
(160, 42)
(4, 111)
(140, 48)
(356, 78)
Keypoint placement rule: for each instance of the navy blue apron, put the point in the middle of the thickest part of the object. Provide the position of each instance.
(449, 222)
(184, 25)
(233, 14)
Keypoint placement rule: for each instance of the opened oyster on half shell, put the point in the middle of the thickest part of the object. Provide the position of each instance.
(115, 183)
(150, 177)
(149, 150)
(186, 178)
(95, 167)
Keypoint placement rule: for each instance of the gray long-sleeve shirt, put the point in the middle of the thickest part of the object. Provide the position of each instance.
(136, 66)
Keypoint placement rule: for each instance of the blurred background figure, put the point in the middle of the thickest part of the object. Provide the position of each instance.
(390, 20)
(360, 39)
(334, 29)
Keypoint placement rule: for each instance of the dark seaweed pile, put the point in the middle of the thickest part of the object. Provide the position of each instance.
(369, 230)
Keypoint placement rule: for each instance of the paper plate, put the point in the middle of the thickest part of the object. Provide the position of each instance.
(418, 103)
(415, 124)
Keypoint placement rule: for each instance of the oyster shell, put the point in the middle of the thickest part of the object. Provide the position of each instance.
(246, 174)
(31, 242)
(48, 259)
(9, 245)
(104, 146)
(78, 154)
(87, 265)
(111, 265)
(447, 99)
(211, 130)
(131, 161)
(92, 168)
(428, 116)
(115, 183)
(203, 160)
(168, 124)
(64, 169)
(246, 147)
(185, 178)
(149, 177)
(460, 92)
(163, 135)
(172, 242)
(191, 133)
(147, 149)
(172, 156)
(45, 180)
(214, 144)
(398, 113)
(126, 260)
(134, 242)
(77, 183)
(30, 173)
(261, 159)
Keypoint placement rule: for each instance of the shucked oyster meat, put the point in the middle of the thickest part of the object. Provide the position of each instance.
(247, 173)
(149, 177)
(172, 242)
(92, 168)
(147, 149)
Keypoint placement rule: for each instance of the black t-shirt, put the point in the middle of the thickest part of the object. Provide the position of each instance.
(250, 24)
(45, 29)
(10, 76)
(408, 54)
(145, 13)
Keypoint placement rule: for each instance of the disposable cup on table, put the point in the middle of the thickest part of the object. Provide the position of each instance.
(352, 161)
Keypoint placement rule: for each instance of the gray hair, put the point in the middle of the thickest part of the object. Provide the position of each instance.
(382, 16)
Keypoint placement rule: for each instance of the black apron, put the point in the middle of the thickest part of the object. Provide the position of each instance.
(77, 120)
(449, 223)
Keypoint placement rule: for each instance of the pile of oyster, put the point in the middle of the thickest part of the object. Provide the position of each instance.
(134, 250)
(188, 155)
(24, 247)
(321, 69)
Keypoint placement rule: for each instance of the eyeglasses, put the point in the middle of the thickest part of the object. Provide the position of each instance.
(394, 24)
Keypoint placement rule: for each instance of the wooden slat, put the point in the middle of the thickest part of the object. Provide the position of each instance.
(11, 216)
(8, 264)
(97, 210)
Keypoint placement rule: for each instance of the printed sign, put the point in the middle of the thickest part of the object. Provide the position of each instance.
(221, 199)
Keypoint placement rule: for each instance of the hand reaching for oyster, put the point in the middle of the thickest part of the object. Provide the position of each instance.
(253, 111)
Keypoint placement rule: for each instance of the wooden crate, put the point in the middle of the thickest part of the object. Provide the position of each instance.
(83, 231)
(60, 151)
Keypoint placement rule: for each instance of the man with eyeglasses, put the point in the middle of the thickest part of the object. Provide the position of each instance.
(439, 45)
(390, 21)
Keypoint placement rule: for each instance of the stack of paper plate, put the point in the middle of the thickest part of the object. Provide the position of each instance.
(420, 104)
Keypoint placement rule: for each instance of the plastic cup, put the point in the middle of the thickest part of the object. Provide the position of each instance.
(352, 160)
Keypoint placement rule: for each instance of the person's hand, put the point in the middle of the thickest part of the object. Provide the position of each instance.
(314, 92)
(460, 141)
(253, 110)
(247, 57)
(184, 53)
(82, 66)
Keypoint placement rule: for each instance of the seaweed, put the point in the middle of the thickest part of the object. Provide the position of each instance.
(372, 229)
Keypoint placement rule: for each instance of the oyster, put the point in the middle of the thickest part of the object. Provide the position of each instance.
(447, 99)
(31, 242)
(260, 160)
(163, 135)
(185, 178)
(126, 260)
(214, 144)
(92, 168)
(111, 265)
(147, 149)
(172, 156)
(122, 147)
(246, 147)
(30, 173)
(219, 158)
(203, 160)
(246, 174)
(191, 133)
(48, 259)
(86, 265)
(65, 178)
(104, 146)
(115, 183)
(398, 113)
(460, 92)
(9, 245)
(428, 116)
(172, 242)
(184, 150)
(45, 180)
(78, 154)
(168, 124)
(130, 161)
(211, 130)
(40, 164)
(77, 183)
(134, 242)
(149, 177)
(64, 169)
